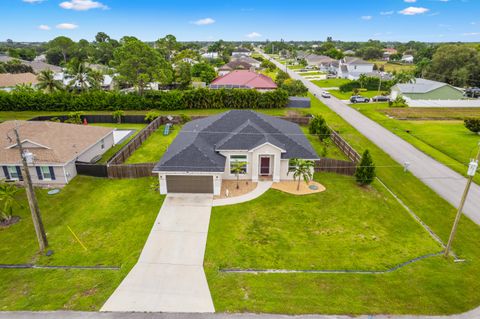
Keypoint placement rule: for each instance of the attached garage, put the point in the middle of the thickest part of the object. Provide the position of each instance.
(189, 184)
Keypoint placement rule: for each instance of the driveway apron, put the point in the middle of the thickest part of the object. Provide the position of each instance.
(169, 275)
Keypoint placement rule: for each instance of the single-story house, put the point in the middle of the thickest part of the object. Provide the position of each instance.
(202, 154)
(422, 89)
(408, 58)
(56, 147)
(322, 62)
(387, 53)
(241, 51)
(234, 65)
(248, 60)
(37, 66)
(9, 80)
(210, 55)
(352, 67)
(244, 79)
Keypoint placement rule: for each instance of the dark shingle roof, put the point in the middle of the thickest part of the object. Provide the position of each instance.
(197, 146)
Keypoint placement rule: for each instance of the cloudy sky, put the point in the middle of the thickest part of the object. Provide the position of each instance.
(402, 20)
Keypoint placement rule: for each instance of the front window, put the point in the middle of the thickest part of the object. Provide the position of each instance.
(13, 172)
(291, 165)
(46, 172)
(238, 160)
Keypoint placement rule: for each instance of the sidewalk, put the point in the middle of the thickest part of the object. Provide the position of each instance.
(262, 187)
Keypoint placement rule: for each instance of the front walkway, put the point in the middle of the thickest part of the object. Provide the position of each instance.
(169, 276)
(262, 187)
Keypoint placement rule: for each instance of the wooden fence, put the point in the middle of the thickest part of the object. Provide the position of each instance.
(349, 151)
(335, 166)
(130, 171)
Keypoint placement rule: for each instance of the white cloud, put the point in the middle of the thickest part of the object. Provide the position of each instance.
(411, 11)
(44, 27)
(66, 26)
(82, 5)
(366, 17)
(253, 35)
(410, 1)
(33, 1)
(387, 13)
(471, 34)
(205, 21)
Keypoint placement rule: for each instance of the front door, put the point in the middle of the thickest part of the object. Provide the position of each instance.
(265, 166)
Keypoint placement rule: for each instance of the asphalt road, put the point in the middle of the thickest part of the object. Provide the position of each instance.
(439, 177)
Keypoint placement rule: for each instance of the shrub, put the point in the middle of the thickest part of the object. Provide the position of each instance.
(365, 172)
(268, 65)
(150, 116)
(117, 115)
(295, 87)
(369, 83)
(398, 102)
(473, 124)
(185, 118)
(281, 77)
(74, 118)
(318, 126)
(169, 100)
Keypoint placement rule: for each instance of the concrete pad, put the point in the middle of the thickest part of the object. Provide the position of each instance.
(169, 275)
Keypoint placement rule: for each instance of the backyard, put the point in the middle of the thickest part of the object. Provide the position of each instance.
(111, 218)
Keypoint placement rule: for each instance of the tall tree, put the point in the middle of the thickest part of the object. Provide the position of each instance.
(183, 74)
(63, 45)
(204, 71)
(138, 64)
(82, 76)
(365, 172)
(167, 46)
(47, 82)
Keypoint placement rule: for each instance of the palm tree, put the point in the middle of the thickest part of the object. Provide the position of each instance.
(362, 79)
(237, 168)
(47, 82)
(301, 169)
(404, 77)
(7, 200)
(82, 76)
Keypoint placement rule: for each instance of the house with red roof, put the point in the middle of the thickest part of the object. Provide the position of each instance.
(244, 79)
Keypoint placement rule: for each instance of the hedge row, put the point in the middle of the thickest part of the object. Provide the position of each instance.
(370, 83)
(170, 100)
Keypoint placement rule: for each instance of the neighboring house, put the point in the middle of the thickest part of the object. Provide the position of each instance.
(349, 53)
(107, 84)
(234, 65)
(210, 55)
(243, 79)
(301, 55)
(352, 67)
(248, 60)
(241, 51)
(8, 80)
(322, 62)
(202, 154)
(40, 58)
(422, 89)
(37, 66)
(55, 148)
(387, 53)
(407, 58)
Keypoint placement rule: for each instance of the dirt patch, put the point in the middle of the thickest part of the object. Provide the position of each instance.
(431, 114)
(245, 188)
(10, 222)
(291, 187)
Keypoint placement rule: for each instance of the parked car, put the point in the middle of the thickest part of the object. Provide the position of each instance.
(381, 98)
(359, 99)
(326, 95)
(472, 92)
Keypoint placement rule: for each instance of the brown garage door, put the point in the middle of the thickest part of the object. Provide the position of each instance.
(190, 184)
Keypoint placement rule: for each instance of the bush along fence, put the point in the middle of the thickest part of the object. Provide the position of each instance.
(160, 100)
(131, 119)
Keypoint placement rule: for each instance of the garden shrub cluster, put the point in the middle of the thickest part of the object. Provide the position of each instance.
(369, 83)
(169, 100)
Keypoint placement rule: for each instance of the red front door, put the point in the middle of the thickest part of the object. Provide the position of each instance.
(265, 166)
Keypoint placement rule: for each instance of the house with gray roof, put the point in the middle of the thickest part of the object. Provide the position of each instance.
(352, 67)
(423, 89)
(202, 154)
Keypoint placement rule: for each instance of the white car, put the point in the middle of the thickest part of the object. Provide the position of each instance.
(326, 95)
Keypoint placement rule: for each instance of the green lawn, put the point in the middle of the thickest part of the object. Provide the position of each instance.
(112, 218)
(346, 95)
(448, 141)
(108, 154)
(394, 67)
(369, 231)
(330, 83)
(431, 286)
(154, 147)
(325, 149)
(296, 67)
(311, 73)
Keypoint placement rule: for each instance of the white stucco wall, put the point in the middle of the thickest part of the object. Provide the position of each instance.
(63, 174)
(96, 149)
(271, 150)
(226, 175)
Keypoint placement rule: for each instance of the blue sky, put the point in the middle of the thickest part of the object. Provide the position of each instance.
(356, 20)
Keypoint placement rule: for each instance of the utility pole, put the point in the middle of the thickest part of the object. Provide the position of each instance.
(32, 199)
(472, 168)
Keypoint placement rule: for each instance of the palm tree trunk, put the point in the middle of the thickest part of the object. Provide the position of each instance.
(238, 180)
(298, 185)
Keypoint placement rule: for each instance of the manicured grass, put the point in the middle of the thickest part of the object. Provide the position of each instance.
(310, 73)
(112, 218)
(325, 149)
(154, 147)
(347, 95)
(296, 67)
(369, 231)
(112, 151)
(331, 83)
(431, 286)
(448, 141)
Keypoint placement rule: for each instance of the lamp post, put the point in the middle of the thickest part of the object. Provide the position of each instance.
(27, 158)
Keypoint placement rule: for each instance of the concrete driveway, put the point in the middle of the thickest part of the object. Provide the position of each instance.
(169, 275)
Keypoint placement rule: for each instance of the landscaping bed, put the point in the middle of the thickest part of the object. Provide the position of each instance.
(111, 218)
